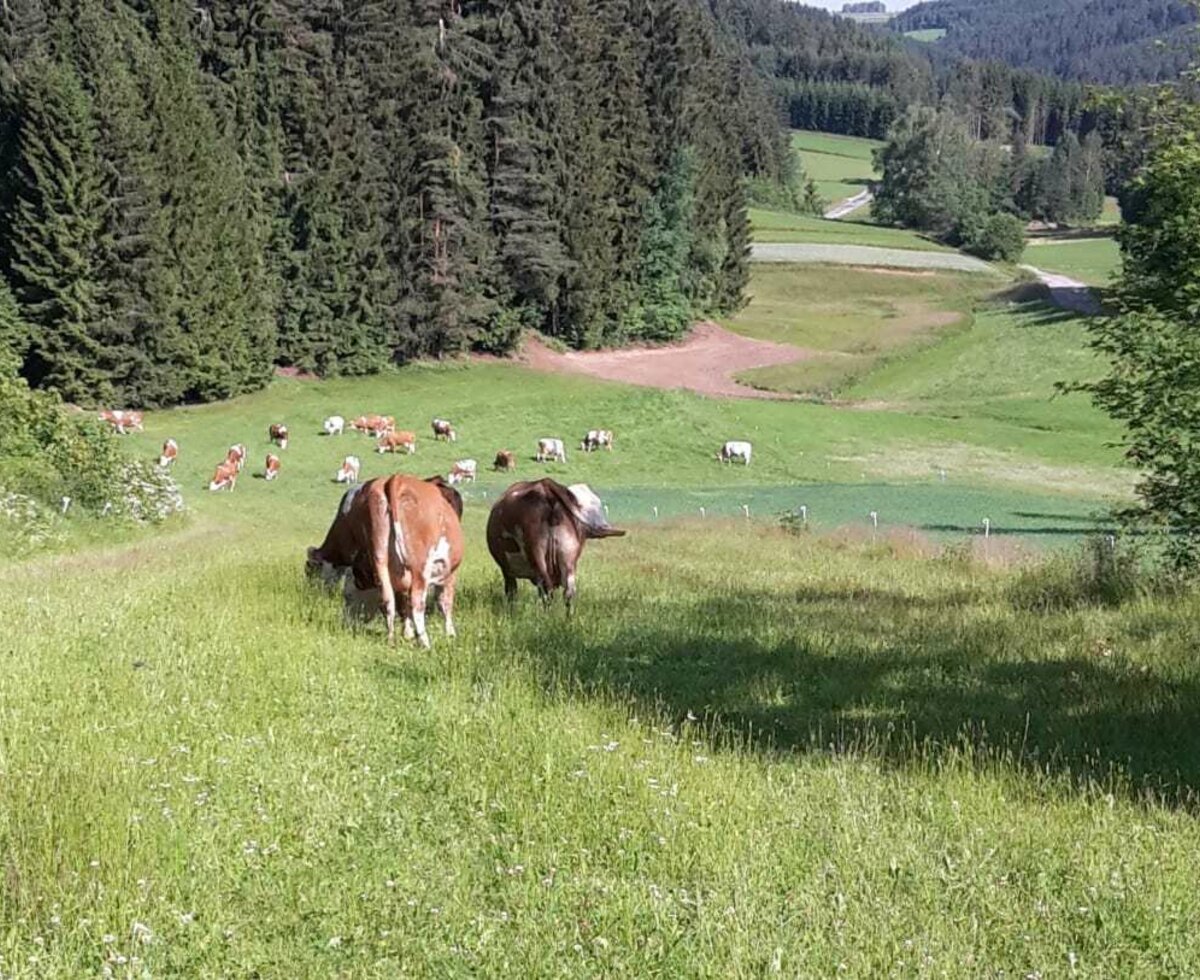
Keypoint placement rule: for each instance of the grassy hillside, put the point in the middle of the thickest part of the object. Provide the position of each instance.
(848, 319)
(207, 774)
(787, 226)
(927, 36)
(1091, 260)
(749, 754)
(841, 165)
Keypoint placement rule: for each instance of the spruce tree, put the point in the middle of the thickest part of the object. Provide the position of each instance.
(50, 239)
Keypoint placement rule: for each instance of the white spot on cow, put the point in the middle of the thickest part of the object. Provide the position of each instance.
(437, 562)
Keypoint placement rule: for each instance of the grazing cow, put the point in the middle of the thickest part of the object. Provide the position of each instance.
(122, 420)
(462, 471)
(444, 430)
(278, 434)
(551, 449)
(374, 425)
(735, 450)
(351, 466)
(596, 439)
(237, 456)
(537, 531)
(272, 468)
(392, 442)
(170, 450)
(225, 478)
(400, 538)
(506, 461)
(335, 425)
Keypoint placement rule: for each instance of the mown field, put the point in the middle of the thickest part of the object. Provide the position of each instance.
(841, 165)
(848, 319)
(787, 226)
(1091, 260)
(859, 751)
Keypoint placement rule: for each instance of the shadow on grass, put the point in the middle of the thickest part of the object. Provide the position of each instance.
(908, 680)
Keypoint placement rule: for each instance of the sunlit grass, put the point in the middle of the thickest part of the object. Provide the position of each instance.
(205, 773)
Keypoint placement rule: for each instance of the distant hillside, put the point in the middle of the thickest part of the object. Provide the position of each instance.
(1111, 41)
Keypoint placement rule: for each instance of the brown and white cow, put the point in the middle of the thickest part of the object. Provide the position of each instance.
(236, 456)
(278, 434)
(271, 470)
(225, 478)
(170, 451)
(122, 420)
(393, 442)
(506, 461)
(373, 425)
(551, 449)
(442, 429)
(462, 471)
(400, 538)
(351, 466)
(537, 531)
(597, 439)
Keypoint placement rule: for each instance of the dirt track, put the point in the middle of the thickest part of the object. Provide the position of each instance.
(704, 363)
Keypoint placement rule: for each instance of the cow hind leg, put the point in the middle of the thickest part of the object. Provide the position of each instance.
(446, 604)
(510, 591)
(569, 593)
(417, 598)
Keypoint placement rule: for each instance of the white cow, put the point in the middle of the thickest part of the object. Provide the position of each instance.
(462, 471)
(351, 466)
(335, 425)
(735, 450)
(597, 439)
(551, 449)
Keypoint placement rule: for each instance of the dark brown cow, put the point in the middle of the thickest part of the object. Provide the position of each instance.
(399, 537)
(537, 531)
(506, 461)
(278, 434)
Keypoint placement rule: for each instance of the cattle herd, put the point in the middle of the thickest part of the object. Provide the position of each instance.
(396, 542)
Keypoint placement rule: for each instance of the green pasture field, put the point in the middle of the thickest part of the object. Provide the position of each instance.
(846, 752)
(928, 35)
(1091, 260)
(841, 165)
(848, 319)
(786, 226)
(893, 767)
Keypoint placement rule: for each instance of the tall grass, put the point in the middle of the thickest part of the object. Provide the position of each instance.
(748, 754)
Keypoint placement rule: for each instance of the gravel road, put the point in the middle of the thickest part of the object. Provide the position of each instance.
(849, 205)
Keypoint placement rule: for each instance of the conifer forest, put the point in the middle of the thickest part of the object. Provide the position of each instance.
(191, 195)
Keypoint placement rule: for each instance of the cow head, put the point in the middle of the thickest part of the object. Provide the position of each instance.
(452, 496)
(590, 512)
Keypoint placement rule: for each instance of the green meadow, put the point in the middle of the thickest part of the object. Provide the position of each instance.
(841, 165)
(1093, 260)
(879, 745)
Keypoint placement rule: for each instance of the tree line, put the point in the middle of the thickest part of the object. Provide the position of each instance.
(1116, 42)
(191, 195)
(978, 195)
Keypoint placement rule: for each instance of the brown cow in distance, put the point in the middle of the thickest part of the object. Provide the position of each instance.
(506, 461)
(537, 531)
(393, 442)
(278, 434)
(400, 538)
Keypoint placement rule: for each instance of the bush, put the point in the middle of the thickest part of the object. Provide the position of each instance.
(48, 452)
(1103, 572)
(25, 524)
(996, 236)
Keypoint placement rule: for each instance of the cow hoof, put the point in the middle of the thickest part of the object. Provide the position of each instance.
(423, 639)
